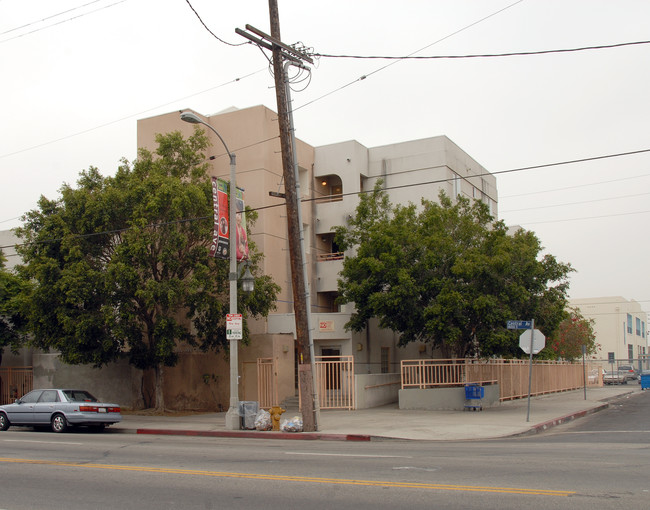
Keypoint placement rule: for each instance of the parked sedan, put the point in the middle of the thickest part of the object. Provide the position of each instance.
(617, 377)
(59, 409)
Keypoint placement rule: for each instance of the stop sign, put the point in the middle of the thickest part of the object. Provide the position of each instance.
(539, 341)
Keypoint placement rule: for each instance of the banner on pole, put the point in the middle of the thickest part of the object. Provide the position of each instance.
(242, 237)
(220, 245)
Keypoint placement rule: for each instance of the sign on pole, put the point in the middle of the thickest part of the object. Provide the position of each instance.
(520, 324)
(538, 341)
(234, 326)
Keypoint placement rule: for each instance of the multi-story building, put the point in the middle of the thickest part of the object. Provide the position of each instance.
(620, 326)
(331, 178)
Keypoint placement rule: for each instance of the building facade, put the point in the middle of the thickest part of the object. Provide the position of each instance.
(620, 326)
(331, 178)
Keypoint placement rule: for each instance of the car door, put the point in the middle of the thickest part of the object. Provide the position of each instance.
(45, 407)
(22, 412)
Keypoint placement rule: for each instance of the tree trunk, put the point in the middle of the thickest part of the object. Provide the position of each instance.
(160, 397)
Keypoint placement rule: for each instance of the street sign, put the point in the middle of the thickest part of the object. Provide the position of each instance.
(234, 326)
(520, 324)
(539, 341)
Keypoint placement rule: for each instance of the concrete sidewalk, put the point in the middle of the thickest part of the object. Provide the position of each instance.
(390, 422)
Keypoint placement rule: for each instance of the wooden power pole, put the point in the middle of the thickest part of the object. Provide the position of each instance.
(282, 52)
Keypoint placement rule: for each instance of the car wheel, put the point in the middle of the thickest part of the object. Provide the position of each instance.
(59, 423)
(4, 421)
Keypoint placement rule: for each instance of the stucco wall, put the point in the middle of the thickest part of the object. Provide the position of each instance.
(444, 399)
(373, 390)
(117, 383)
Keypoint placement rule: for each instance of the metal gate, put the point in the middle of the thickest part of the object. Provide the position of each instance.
(14, 383)
(335, 381)
(267, 387)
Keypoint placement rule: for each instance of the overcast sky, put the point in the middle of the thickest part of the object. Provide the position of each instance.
(76, 76)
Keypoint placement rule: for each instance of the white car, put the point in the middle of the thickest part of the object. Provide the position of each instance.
(59, 409)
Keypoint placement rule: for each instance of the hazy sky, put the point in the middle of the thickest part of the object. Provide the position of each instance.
(76, 75)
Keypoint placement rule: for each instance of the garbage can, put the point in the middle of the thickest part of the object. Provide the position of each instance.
(247, 412)
(645, 380)
(473, 395)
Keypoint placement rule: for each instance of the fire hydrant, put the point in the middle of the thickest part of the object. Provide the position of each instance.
(276, 413)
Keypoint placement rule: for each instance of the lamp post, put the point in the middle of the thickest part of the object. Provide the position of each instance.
(232, 416)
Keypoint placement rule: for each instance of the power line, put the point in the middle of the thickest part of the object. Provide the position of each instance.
(58, 22)
(574, 203)
(361, 78)
(436, 181)
(211, 32)
(485, 55)
(48, 17)
(72, 135)
(576, 186)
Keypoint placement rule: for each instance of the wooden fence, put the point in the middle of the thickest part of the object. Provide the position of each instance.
(511, 375)
(14, 383)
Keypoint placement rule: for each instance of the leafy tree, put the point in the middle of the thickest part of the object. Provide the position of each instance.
(11, 322)
(574, 332)
(447, 274)
(122, 267)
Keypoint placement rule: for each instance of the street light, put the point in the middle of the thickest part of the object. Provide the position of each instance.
(232, 416)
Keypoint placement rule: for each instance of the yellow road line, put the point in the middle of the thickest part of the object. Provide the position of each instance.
(304, 479)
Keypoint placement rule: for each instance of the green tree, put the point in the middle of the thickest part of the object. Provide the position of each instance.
(574, 332)
(11, 322)
(447, 274)
(121, 264)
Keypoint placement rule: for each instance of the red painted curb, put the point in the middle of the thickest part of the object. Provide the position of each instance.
(254, 434)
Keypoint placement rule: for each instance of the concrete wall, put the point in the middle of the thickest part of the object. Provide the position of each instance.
(373, 390)
(117, 383)
(444, 399)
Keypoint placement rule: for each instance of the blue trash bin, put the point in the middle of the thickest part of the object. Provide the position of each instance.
(473, 395)
(645, 381)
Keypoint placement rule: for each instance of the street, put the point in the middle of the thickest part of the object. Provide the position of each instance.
(600, 460)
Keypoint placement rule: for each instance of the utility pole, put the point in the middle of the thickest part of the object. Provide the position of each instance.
(289, 169)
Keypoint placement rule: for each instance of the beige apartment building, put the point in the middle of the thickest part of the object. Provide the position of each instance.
(620, 326)
(331, 178)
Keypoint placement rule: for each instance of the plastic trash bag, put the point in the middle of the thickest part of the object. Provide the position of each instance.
(263, 420)
(292, 425)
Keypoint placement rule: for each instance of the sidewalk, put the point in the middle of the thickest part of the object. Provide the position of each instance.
(389, 422)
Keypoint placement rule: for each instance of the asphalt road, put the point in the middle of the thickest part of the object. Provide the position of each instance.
(600, 461)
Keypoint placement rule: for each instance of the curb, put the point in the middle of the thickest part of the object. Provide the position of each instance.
(250, 434)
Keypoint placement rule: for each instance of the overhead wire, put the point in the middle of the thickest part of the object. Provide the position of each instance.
(210, 31)
(307, 200)
(72, 135)
(486, 55)
(58, 22)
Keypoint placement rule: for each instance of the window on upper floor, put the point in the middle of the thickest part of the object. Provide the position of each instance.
(329, 188)
(638, 326)
(629, 323)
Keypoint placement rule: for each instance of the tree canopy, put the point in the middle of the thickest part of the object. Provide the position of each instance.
(11, 322)
(447, 274)
(121, 263)
(573, 333)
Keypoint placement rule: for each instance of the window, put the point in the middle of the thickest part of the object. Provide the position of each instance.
(630, 353)
(638, 327)
(32, 397)
(49, 396)
(455, 186)
(385, 360)
(629, 323)
(642, 329)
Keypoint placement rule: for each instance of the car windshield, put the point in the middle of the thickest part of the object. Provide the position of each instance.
(79, 396)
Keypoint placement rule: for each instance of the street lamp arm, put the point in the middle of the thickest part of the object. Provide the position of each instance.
(194, 119)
